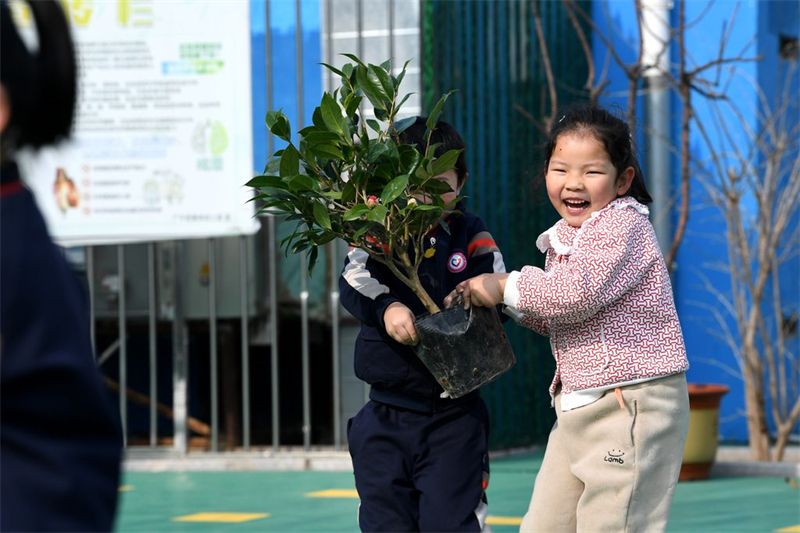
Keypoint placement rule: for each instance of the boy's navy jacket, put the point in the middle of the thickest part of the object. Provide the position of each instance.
(397, 377)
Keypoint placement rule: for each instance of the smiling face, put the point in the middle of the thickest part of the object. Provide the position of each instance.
(580, 177)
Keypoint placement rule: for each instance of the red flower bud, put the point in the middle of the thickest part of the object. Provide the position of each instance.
(372, 201)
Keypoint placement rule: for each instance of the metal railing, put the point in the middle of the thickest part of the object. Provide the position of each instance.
(158, 304)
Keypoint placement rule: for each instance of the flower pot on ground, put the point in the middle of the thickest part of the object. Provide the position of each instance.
(349, 176)
(700, 450)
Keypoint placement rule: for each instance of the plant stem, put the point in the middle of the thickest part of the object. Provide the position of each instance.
(410, 280)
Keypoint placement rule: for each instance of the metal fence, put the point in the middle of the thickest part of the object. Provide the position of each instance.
(226, 344)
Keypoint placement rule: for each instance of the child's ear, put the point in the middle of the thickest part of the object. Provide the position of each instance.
(624, 181)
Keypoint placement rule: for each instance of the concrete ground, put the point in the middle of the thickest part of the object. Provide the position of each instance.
(294, 492)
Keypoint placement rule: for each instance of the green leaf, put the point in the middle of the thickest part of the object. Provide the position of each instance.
(266, 181)
(381, 114)
(399, 79)
(290, 162)
(314, 136)
(278, 125)
(403, 101)
(429, 153)
(427, 207)
(374, 124)
(394, 188)
(301, 245)
(446, 162)
(376, 151)
(403, 124)
(359, 233)
(384, 79)
(355, 212)
(331, 113)
(372, 88)
(345, 91)
(321, 215)
(349, 77)
(333, 195)
(378, 214)
(326, 151)
(352, 105)
(316, 118)
(433, 118)
(437, 187)
(348, 193)
(273, 165)
(312, 259)
(409, 157)
(332, 69)
(354, 58)
(302, 183)
(324, 238)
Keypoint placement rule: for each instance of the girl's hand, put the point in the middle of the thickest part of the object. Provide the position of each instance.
(485, 290)
(399, 323)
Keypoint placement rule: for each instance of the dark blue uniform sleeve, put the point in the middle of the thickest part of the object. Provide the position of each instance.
(364, 290)
(60, 445)
(485, 256)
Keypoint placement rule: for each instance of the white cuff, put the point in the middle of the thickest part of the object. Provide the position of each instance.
(511, 292)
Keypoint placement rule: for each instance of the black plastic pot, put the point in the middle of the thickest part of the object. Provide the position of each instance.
(464, 349)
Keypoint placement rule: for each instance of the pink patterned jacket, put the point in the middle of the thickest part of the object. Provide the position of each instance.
(605, 300)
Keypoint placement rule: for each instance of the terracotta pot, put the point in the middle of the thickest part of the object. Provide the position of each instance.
(701, 442)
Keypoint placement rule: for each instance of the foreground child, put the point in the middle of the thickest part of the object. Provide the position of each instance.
(605, 300)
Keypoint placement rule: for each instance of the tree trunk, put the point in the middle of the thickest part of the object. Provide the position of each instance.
(422, 294)
(756, 421)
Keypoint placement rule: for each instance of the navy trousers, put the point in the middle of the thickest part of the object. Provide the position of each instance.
(420, 471)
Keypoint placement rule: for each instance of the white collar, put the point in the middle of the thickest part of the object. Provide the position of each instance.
(549, 239)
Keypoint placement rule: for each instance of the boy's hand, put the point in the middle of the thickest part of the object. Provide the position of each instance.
(485, 290)
(399, 323)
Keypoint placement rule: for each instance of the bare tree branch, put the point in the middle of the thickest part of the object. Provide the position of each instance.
(548, 68)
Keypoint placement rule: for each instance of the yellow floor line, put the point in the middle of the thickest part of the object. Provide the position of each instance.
(230, 518)
(503, 520)
(334, 493)
(125, 488)
(790, 529)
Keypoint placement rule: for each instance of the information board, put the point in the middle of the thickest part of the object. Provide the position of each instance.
(162, 143)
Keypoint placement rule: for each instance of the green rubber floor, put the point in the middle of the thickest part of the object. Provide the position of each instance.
(325, 501)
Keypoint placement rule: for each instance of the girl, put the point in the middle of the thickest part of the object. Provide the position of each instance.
(605, 300)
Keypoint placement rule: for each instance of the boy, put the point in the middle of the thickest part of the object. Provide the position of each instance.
(420, 461)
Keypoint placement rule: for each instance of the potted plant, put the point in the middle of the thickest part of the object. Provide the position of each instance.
(350, 177)
(700, 450)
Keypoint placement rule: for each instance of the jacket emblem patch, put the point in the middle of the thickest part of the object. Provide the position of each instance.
(457, 262)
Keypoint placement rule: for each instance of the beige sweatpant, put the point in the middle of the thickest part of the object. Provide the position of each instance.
(609, 469)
